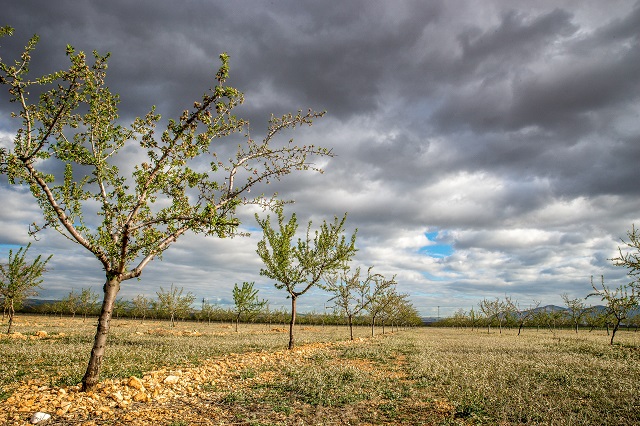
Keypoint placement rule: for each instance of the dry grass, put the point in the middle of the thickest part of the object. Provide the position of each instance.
(419, 376)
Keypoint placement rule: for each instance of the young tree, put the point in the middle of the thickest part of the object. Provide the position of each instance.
(141, 305)
(142, 212)
(173, 304)
(208, 311)
(576, 310)
(298, 267)
(380, 296)
(71, 303)
(620, 302)
(246, 301)
(350, 293)
(87, 302)
(493, 310)
(521, 315)
(121, 306)
(19, 280)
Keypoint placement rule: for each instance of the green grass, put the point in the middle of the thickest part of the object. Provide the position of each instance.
(419, 376)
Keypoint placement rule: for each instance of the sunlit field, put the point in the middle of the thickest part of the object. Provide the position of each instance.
(414, 376)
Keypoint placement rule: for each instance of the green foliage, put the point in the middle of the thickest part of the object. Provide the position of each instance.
(74, 126)
(173, 304)
(19, 280)
(246, 301)
(298, 267)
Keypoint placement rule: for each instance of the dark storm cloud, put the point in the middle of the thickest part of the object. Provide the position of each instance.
(512, 128)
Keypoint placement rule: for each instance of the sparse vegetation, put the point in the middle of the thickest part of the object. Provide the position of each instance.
(419, 376)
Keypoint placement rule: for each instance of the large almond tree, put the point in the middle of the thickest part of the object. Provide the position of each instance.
(178, 185)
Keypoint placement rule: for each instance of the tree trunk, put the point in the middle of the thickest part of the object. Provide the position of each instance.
(91, 376)
(350, 326)
(373, 324)
(237, 322)
(293, 321)
(613, 332)
(12, 313)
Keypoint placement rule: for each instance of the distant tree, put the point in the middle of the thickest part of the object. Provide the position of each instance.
(121, 306)
(576, 310)
(521, 315)
(382, 294)
(246, 301)
(493, 310)
(71, 303)
(207, 311)
(87, 302)
(19, 279)
(74, 126)
(140, 307)
(392, 304)
(173, 304)
(297, 268)
(620, 302)
(351, 293)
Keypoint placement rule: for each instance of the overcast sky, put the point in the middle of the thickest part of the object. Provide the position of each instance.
(483, 149)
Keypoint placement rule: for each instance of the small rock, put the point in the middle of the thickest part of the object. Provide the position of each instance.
(117, 396)
(140, 397)
(135, 383)
(171, 380)
(40, 417)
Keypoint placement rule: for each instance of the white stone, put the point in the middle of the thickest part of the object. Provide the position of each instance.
(40, 417)
(171, 379)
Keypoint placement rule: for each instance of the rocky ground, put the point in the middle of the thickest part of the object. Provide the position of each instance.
(215, 393)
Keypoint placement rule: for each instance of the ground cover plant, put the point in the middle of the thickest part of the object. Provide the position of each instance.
(200, 373)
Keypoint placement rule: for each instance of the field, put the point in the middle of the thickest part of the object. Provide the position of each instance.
(206, 374)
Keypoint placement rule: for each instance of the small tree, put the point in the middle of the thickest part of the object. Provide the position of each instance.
(173, 304)
(75, 127)
(71, 303)
(121, 306)
(520, 315)
(19, 280)
(576, 310)
(246, 301)
(493, 310)
(380, 295)
(620, 302)
(87, 302)
(140, 307)
(350, 293)
(297, 268)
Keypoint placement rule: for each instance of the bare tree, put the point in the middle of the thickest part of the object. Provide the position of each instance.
(521, 315)
(75, 126)
(493, 310)
(620, 302)
(381, 294)
(630, 257)
(351, 293)
(576, 310)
